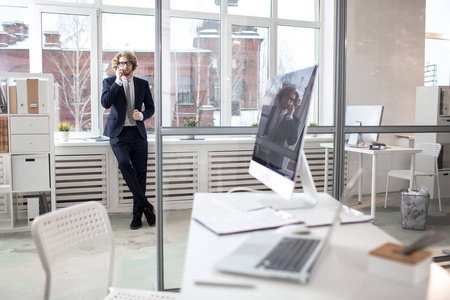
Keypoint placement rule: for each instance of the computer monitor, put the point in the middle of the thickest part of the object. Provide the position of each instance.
(363, 115)
(278, 152)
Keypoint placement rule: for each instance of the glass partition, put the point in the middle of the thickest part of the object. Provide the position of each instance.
(395, 59)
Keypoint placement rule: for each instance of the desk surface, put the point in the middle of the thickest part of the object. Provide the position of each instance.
(374, 153)
(340, 274)
(366, 150)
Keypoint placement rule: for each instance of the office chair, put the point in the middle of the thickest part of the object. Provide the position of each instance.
(59, 233)
(428, 149)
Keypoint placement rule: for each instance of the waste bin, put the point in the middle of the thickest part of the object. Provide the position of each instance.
(414, 207)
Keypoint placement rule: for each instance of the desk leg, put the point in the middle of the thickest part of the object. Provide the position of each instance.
(373, 195)
(360, 163)
(325, 177)
(413, 170)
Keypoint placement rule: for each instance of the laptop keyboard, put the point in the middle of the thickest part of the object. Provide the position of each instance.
(289, 255)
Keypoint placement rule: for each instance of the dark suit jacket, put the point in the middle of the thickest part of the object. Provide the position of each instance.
(285, 135)
(113, 97)
(286, 132)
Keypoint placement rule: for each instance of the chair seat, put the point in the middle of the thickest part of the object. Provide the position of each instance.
(406, 174)
(431, 150)
(135, 294)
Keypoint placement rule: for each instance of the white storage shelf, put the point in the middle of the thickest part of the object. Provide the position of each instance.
(27, 170)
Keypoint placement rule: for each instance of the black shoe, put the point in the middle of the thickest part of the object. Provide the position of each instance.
(149, 213)
(137, 221)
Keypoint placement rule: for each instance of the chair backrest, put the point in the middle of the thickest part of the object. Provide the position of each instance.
(58, 232)
(432, 149)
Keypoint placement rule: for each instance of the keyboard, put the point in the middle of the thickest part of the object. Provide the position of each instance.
(289, 255)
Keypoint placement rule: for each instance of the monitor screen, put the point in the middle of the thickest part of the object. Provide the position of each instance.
(364, 115)
(281, 131)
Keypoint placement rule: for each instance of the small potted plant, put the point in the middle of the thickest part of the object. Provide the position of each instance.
(254, 124)
(64, 129)
(190, 123)
(313, 124)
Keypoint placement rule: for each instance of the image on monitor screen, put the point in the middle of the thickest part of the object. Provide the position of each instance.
(282, 126)
(363, 115)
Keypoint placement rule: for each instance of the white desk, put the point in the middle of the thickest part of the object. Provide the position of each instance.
(374, 153)
(340, 274)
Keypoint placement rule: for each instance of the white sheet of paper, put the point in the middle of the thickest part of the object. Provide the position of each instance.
(232, 222)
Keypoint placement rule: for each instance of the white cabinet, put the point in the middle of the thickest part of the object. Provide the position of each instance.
(433, 108)
(27, 159)
(30, 172)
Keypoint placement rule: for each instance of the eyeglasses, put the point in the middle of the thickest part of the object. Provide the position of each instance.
(128, 63)
(287, 97)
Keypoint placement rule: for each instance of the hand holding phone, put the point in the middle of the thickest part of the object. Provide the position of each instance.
(119, 72)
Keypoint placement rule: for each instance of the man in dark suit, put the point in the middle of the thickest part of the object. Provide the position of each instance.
(131, 103)
(279, 125)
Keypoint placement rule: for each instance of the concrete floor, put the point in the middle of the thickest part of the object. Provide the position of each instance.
(22, 276)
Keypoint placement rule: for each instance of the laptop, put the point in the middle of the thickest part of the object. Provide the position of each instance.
(281, 256)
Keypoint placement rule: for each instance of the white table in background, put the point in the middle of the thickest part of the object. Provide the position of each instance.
(374, 153)
(339, 274)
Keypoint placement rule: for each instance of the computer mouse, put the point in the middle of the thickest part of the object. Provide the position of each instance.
(293, 229)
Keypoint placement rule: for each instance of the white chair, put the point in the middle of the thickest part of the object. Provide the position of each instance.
(428, 149)
(58, 233)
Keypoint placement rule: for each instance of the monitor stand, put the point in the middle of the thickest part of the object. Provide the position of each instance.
(307, 199)
(356, 141)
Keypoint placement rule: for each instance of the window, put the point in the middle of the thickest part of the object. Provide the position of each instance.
(297, 48)
(66, 53)
(437, 43)
(300, 10)
(185, 90)
(196, 5)
(14, 39)
(254, 8)
(130, 3)
(215, 100)
(140, 39)
(194, 70)
(249, 72)
(198, 33)
(239, 89)
(151, 82)
(75, 1)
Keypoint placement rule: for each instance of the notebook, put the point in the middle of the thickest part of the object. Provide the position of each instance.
(274, 255)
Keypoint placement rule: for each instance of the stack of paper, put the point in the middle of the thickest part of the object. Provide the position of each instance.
(234, 222)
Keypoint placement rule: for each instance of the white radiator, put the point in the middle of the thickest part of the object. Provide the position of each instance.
(80, 178)
(187, 169)
(180, 178)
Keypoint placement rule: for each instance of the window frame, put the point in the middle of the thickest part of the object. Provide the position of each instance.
(95, 11)
(36, 59)
(227, 21)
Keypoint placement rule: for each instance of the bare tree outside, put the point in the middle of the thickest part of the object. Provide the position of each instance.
(68, 54)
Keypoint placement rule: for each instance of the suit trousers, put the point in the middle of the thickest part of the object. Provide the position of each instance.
(131, 151)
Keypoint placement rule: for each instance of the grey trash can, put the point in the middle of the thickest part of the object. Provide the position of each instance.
(414, 207)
